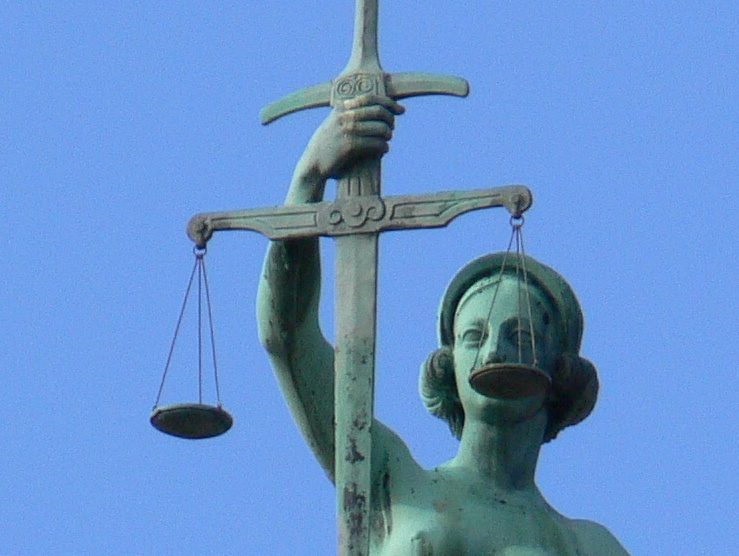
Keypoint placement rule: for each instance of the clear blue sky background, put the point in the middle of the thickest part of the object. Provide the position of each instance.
(119, 120)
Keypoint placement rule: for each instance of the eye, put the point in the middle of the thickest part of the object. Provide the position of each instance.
(473, 336)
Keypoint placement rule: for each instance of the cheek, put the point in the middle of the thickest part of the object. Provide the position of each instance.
(546, 353)
(464, 359)
(463, 363)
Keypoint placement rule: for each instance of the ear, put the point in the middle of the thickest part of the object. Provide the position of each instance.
(574, 393)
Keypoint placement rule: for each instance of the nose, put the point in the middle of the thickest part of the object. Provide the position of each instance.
(490, 354)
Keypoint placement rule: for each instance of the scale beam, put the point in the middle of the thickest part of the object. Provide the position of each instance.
(356, 219)
(359, 215)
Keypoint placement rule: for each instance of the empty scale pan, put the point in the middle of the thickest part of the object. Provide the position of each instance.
(510, 381)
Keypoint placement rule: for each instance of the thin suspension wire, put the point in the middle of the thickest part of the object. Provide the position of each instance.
(176, 332)
(492, 303)
(534, 355)
(212, 335)
(519, 287)
(200, 327)
(521, 272)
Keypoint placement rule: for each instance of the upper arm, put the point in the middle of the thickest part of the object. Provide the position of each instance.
(287, 314)
(596, 540)
(303, 360)
(390, 456)
(306, 378)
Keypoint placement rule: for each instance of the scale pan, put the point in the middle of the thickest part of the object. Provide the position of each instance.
(510, 381)
(191, 420)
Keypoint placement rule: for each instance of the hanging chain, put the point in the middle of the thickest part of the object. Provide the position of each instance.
(521, 272)
(522, 251)
(492, 303)
(516, 224)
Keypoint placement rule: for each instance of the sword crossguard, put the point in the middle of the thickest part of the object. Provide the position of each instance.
(350, 85)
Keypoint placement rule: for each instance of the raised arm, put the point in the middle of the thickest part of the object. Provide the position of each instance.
(290, 285)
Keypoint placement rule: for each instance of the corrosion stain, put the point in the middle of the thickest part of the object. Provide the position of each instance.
(354, 506)
(359, 423)
(354, 455)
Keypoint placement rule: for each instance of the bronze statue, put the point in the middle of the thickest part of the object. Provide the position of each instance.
(484, 500)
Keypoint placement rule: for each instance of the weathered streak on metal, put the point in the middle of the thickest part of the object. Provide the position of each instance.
(359, 215)
(356, 323)
(357, 520)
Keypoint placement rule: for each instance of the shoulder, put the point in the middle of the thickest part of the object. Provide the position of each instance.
(390, 454)
(595, 539)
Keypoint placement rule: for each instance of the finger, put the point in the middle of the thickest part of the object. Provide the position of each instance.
(370, 99)
(379, 130)
(369, 146)
(367, 114)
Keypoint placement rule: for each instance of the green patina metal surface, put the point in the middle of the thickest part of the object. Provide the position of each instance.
(484, 500)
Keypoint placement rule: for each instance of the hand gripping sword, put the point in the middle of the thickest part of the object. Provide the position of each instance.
(355, 219)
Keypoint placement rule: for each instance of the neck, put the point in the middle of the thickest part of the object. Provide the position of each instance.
(504, 454)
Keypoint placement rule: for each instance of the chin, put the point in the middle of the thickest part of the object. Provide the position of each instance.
(504, 411)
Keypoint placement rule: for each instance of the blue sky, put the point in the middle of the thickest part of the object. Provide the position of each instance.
(119, 120)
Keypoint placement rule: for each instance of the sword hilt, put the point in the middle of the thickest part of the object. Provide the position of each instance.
(346, 86)
(364, 75)
(363, 178)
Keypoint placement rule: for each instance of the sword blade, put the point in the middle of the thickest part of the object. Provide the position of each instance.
(356, 326)
(365, 55)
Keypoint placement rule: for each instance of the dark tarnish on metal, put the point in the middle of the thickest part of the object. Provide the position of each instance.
(191, 420)
(510, 381)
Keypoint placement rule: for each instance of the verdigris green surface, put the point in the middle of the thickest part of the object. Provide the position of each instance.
(484, 501)
(356, 218)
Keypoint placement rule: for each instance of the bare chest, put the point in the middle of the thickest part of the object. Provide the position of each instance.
(454, 520)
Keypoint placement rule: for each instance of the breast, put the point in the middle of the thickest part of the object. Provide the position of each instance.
(442, 519)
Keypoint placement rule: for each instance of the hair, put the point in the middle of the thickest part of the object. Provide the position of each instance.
(574, 388)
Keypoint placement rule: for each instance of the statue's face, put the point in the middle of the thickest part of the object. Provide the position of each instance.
(482, 337)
